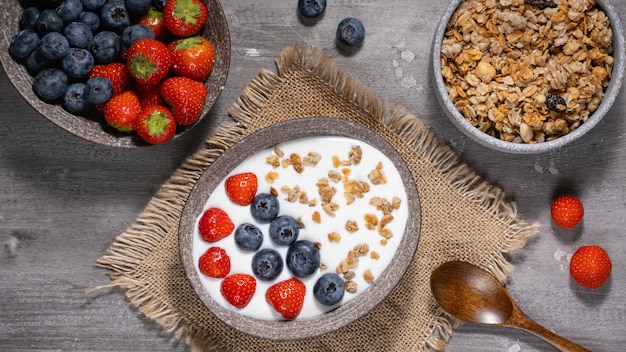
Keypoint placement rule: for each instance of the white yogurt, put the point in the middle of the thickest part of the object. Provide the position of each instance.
(331, 252)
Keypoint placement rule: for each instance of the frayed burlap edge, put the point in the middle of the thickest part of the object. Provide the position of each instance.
(166, 207)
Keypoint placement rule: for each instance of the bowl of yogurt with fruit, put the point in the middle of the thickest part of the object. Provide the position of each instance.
(300, 228)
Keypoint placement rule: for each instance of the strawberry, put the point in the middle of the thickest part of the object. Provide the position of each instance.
(192, 57)
(241, 188)
(117, 73)
(156, 124)
(148, 61)
(215, 263)
(154, 19)
(185, 97)
(122, 111)
(214, 225)
(184, 18)
(238, 289)
(590, 266)
(567, 211)
(149, 94)
(286, 297)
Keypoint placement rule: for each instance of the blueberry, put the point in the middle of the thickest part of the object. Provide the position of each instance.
(78, 34)
(74, 99)
(78, 63)
(98, 90)
(36, 62)
(248, 237)
(351, 32)
(54, 46)
(329, 289)
(29, 17)
(52, 3)
(267, 264)
(93, 4)
(105, 47)
(91, 19)
(264, 207)
(135, 32)
(303, 258)
(50, 83)
(159, 4)
(284, 230)
(70, 10)
(114, 16)
(49, 21)
(24, 43)
(138, 7)
(311, 8)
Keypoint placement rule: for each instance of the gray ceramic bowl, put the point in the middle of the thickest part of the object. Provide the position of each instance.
(92, 126)
(344, 314)
(475, 134)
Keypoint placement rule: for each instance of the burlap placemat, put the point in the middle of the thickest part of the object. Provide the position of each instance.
(463, 217)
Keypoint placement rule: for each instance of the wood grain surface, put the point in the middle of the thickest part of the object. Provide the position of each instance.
(64, 200)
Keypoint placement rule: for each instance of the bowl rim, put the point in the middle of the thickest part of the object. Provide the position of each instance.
(344, 314)
(610, 94)
(86, 126)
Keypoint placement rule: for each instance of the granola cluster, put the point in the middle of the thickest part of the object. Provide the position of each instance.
(526, 72)
(327, 202)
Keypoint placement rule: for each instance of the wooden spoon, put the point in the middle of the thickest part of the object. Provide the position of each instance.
(472, 294)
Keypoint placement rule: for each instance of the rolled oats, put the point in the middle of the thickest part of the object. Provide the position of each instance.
(527, 71)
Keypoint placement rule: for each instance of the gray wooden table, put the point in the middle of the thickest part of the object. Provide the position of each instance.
(63, 200)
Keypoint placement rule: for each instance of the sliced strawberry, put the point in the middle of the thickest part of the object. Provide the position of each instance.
(286, 297)
(241, 188)
(148, 61)
(185, 98)
(192, 57)
(214, 225)
(184, 18)
(215, 263)
(122, 111)
(238, 289)
(154, 20)
(156, 124)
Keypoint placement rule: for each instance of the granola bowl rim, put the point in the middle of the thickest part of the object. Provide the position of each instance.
(610, 95)
(357, 307)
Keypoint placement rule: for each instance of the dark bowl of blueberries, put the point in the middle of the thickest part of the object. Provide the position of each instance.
(270, 267)
(55, 52)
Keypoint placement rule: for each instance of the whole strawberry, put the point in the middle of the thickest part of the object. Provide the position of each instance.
(215, 224)
(184, 18)
(238, 289)
(192, 57)
(286, 297)
(122, 111)
(215, 263)
(185, 97)
(154, 20)
(567, 211)
(241, 188)
(117, 73)
(590, 266)
(148, 61)
(156, 124)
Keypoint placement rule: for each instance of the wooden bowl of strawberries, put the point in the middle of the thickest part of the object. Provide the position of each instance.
(114, 72)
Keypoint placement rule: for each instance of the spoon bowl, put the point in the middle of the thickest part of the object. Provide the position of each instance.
(471, 294)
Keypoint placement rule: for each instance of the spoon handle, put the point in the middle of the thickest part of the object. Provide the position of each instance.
(560, 343)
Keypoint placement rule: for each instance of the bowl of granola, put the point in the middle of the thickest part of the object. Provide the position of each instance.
(528, 76)
(300, 228)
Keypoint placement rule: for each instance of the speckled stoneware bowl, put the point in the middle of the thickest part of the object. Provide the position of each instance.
(91, 126)
(475, 134)
(344, 314)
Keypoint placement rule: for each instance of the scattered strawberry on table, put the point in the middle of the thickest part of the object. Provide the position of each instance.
(567, 211)
(136, 62)
(590, 266)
